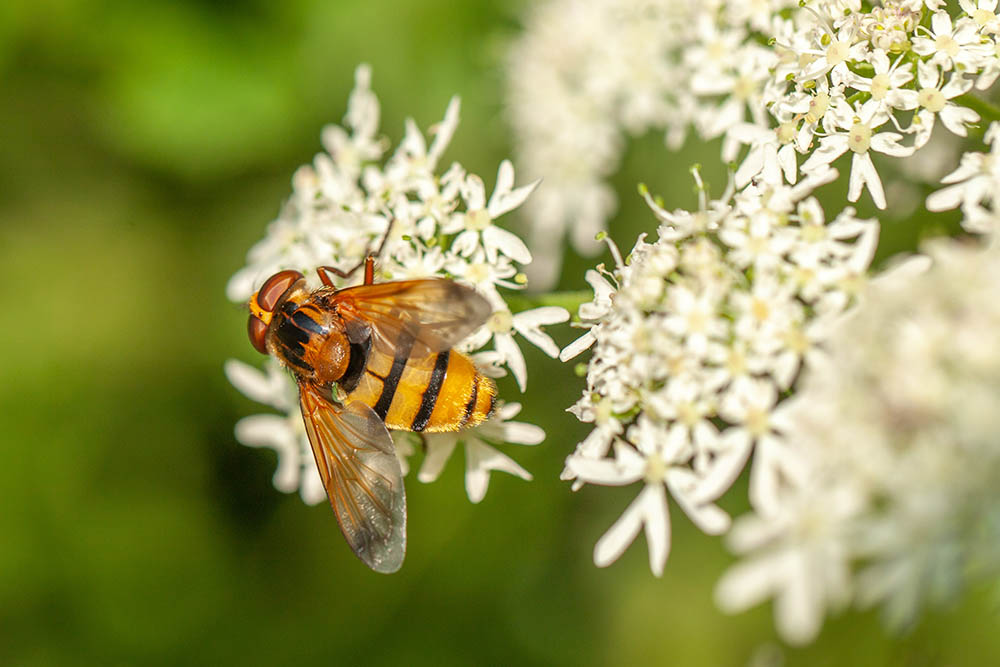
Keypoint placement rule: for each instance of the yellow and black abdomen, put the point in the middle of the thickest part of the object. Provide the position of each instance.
(439, 392)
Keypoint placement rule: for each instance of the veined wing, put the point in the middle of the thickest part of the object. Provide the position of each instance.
(361, 473)
(434, 313)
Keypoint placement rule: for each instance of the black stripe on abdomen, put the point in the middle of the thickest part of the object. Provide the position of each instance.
(403, 347)
(430, 394)
(471, 405)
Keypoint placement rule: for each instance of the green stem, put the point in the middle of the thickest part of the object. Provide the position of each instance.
(987, 111)
(860, 96)
(568, 300)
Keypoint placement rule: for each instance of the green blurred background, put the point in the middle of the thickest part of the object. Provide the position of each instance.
(144, 148)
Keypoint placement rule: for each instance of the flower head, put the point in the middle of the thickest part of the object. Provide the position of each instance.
(696, 336)
(441, 225)
(895, 501)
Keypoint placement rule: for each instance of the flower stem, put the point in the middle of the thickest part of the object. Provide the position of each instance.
(568, 300)
(988, 112)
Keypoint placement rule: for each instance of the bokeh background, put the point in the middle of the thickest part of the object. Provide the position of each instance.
(143, 149)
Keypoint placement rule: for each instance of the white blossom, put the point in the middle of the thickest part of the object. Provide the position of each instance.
(973, 187)
(935, 97)
(895, 500)
(855, 130)
(788, 86)
(586, 74)
(696, 336)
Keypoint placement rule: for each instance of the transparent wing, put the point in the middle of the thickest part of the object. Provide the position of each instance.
(434, 313)
(363, 480)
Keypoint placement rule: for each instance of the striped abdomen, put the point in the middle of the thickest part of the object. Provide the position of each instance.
(440, 392)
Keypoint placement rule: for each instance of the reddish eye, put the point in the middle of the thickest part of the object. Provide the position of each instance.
(276, 285)
(257, 330)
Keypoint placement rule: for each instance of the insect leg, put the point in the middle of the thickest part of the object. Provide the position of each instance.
(324, 273)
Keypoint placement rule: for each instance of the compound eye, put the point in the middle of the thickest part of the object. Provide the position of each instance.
(269, 295)
(257, 330)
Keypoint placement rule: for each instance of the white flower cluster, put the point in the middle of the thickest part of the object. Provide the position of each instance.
(820, 80)
(442, 225)
(586, 72)
(856, 80)
(698, 336)
(973, 187)
(896, 497)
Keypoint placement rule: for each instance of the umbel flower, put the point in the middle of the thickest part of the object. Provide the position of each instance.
(973, 187)
(443, 224)
(588, 73)
(898, 498)
(697, 335)
(798, 83)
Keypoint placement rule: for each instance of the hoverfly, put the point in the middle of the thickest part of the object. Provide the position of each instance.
(367, 358)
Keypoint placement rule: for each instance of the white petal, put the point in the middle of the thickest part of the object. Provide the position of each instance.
(255, 384)
(657, 527)
(788, 160)
(957, 85)
(863, 173)
(752, 165)
(505, 178)
(480, 459)
(946, 199)
(465, 243)
(541, 315)
(727, 466)
(311, 488)
(830, 148)
(797, 612)
(747, 584)
(578, 346)
(606, 472)
(521, 433)
(709, 518)
(508, 243)
(541, 340)
(941, 23)
(444, 131)
(474, 193)
(955, 118)
(505, 199)
(439, 449)
(266, 431)
(650, 504)
(505, 345)
(413, 139)
(241, 286)
(888, 143)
